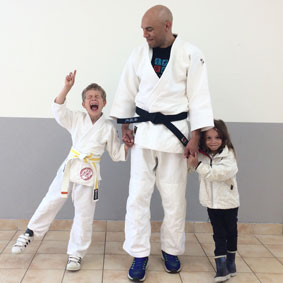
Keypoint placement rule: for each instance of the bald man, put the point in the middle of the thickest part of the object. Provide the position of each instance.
(163, 81)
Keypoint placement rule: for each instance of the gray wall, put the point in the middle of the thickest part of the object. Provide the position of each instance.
(33, 149)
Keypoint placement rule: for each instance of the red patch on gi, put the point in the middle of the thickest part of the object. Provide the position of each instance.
(86, 173)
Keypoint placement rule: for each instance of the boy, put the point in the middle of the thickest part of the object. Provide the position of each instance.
(79, 173)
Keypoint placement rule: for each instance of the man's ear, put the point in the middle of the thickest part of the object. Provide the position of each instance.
(83, 104)
(168, 25)
(104, 102)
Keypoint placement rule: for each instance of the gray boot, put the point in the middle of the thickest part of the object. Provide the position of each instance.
(231, 266)
(222, 273)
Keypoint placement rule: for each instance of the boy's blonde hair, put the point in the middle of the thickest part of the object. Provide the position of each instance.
(95, 87)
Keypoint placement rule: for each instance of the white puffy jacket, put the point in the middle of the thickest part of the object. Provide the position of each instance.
(217, 176)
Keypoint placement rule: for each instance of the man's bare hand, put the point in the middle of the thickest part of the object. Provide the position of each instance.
(127, 135)
(192, 146)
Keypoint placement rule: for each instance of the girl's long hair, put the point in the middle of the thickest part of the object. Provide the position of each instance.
(222, 131)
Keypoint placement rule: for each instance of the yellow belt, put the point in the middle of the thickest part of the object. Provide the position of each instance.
(91, 159)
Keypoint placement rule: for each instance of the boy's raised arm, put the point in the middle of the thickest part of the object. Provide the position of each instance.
(69, 82)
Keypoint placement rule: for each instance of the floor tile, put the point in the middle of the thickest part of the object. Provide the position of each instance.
(99, 226)
(264, 265)
(199, 277)
(83, 276)
(114, 248)
(3, 244)
(195, 264)
(98, 237)
(53, 247)
(246, 239)
(49, 261)
(245, 228)
(11, 275)
(253, 251)
(271, 239)
(161, 277)
(15, 260)
(208, 249)
(116, 276)
(202, 227)
(259, 257)
(30, 249)
(189, 228)
(61, 225)
(43, 276)
(241, 265)
(194, 249)
(115, 237)
(156, 263)
(115, 226)
(155, 237)
(205, 238)
(244, 278)
(92, 261)
(276, 250)
(96, 248)
(155, 226)
(7, 235)
(155, 249)
(8, 224)
(270, 277)
(263, 229)
(22, 224)
(117, 262)
(57, 236)
(191, 238)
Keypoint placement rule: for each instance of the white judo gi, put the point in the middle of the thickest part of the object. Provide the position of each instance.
(89, 141)
(157, 156)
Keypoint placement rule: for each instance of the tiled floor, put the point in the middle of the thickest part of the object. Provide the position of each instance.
(259, 257)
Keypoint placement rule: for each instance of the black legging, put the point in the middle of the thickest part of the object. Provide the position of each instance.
(225, 233)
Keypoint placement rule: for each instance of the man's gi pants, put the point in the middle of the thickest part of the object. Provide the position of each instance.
(81, 232)
(169, 172)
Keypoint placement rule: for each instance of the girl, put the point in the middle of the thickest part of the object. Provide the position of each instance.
(217, 167)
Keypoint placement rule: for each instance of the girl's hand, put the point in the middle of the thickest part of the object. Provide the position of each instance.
(193, 160)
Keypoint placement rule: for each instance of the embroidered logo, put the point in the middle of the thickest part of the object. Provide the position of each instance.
(86, 173)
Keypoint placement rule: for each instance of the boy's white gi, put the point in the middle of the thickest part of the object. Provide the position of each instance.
(87, 139)
(157, 156)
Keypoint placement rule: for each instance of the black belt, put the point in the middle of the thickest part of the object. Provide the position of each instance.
(159, 118)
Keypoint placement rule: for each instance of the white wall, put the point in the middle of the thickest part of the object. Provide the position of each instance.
(41, 41)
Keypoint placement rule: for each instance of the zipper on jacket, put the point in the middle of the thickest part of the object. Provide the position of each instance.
(210, 158)
(212, 196)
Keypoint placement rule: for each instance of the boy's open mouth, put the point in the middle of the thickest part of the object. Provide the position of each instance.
(93, 107)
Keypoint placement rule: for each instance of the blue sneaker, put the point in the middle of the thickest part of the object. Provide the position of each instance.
(138, 268)
(171, 263)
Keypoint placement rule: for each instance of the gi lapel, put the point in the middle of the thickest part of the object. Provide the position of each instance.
(89, 130)
(160, 82)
